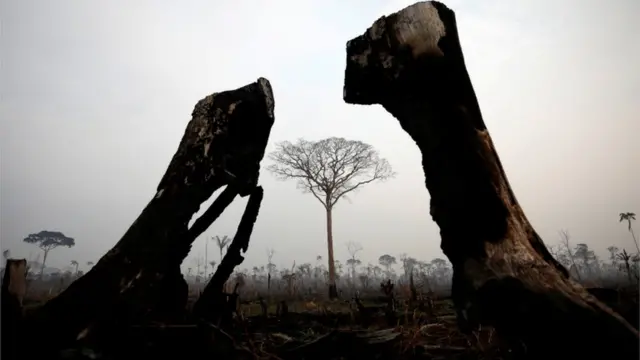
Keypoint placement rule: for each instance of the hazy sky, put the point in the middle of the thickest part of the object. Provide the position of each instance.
(95, 97)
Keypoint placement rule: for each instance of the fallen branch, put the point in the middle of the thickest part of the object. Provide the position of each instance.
(412, 64)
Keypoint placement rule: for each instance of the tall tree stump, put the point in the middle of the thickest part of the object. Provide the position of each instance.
(411, 63)
(14, 288)
(140, 279)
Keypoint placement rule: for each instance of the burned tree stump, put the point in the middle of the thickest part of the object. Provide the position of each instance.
(412, 64)
(14, 287)
(140, 279)
(211, 303)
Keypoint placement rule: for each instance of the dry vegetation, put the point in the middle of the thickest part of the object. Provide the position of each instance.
(371, 323)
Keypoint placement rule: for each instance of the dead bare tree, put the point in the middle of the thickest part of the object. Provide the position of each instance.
(214, 304)
(139, 279)
(329, 169)
(198, 262)
(411, 63)
(629, 217)
(566, 243)
(626, 258)
(353, 248)
(270, 267)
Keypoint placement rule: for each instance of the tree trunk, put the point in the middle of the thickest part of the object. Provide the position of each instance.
(212, 302)
(206, 257)
(412, 64)
(633, 235)
(139, 278)
(333, 290)
(14, 287)
(44, 261)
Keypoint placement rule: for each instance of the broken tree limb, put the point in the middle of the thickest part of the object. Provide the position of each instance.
(139, 278)
(211, 304)
(14, 287)
(412, 64)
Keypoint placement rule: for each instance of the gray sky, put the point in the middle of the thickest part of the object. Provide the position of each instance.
(95, 96)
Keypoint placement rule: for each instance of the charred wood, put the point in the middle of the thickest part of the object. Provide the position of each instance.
(411, 63)
(14, 286)
(210, 304)
(139, 279)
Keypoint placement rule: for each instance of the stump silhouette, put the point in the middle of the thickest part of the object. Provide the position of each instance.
(14, 288)
(139, 279)
(412, 64)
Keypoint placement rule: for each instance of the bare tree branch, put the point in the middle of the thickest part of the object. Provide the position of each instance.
(353, 248)
(330, 168)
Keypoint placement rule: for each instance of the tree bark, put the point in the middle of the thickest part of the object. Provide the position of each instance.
(412, 64)
(139, 279)
(333, 290)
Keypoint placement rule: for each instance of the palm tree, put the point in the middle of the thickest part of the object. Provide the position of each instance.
(628, 217)
(222, 243)
(626, 258)
(76, 264)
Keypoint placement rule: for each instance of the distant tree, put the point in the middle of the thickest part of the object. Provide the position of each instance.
(408, 264)
(353, 264)
(554, 251)
(387, 261)
(364, 280)
(270, 268)
(626, 258)
(329, 169)
(47, 241)
(198, 261)
(628, 217)
(377, 271)
(353, 248)
(222, 243)
(67, 275)
(89, 263)
(318, 270)
(212, 263)
(75, 264)
(571, 258)
(305, 269)
(613, 250)
(441, 268)
(585, 255)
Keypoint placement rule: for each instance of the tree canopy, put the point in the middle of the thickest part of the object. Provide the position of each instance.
(47, 240)
(329, 168)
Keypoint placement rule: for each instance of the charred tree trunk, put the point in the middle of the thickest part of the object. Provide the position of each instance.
(211, 303)
(412, 64)
(14, 287)
(140, 279)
